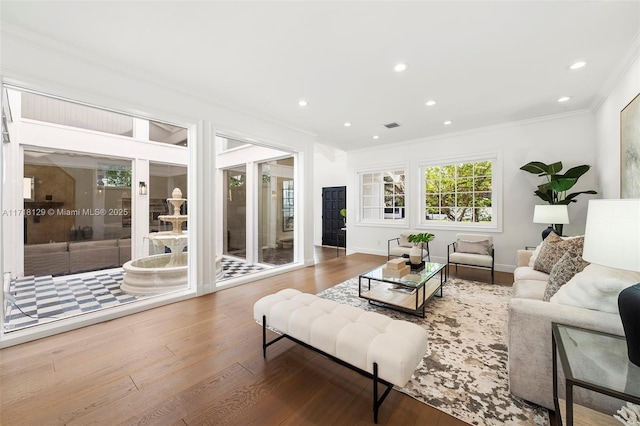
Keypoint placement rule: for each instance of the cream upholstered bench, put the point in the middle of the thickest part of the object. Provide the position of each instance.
(383, 349)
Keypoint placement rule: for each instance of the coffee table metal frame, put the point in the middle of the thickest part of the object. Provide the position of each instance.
(407, 294)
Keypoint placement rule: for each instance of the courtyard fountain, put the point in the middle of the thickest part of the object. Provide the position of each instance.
(164, 272)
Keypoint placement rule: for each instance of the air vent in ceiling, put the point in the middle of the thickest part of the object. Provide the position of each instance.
(391, 125)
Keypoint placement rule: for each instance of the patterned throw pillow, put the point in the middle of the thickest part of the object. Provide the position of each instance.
(569, 264)
(553, 248)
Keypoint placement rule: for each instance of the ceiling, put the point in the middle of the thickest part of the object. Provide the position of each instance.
(484, 62)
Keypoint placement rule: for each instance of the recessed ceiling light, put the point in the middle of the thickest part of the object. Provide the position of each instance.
(564, 99)
(430, 103)
(376, 137)
(446, 123)
(303, 103)
(400, 67)
(578, 65)
(347, 124)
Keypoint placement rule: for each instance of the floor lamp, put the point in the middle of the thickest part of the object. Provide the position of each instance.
(612, 238)
(552, 214)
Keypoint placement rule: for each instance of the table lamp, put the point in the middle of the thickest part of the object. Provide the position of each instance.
(612, 238)
(552, 214)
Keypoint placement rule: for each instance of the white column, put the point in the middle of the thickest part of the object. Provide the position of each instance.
(251, 223)
(202, 208)
(12, 202)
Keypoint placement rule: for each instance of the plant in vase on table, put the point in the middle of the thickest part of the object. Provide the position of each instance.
(418, 240)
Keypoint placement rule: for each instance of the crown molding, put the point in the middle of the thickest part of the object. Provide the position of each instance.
(482, 129)
(632, 55)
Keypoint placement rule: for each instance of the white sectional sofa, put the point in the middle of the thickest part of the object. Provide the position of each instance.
(69, 258)
(529, 338)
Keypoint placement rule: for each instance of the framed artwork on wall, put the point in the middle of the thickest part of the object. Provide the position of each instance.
(630, 149)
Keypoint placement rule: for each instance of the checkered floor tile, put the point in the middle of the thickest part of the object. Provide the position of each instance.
(43, 299)
(234, 267)
(38, 300)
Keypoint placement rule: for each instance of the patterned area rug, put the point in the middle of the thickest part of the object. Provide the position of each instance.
(464, 372)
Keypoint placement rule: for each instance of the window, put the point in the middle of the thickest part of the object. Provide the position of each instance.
(167, 133)
(67, 113)
(287, 205)
(382, 196)
(460, 193)
(224, 143)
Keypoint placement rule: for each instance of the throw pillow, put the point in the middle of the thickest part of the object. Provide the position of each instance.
(597, 287)
(534, 256)
(553, 248)
(474, 247)
(569, 264)
(404, 242)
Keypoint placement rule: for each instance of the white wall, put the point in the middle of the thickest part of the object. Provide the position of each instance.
(567, 138)
(608, 131)
(330, 170)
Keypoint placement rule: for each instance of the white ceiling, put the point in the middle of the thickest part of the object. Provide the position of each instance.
(484, 62)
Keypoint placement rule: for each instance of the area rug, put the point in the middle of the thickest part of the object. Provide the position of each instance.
(464, 372)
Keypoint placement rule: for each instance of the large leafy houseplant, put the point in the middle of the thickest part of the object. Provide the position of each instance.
(554, 189)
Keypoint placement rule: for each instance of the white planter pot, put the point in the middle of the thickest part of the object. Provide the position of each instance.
(415, 254)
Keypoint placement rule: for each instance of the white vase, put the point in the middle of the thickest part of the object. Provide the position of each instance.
(415, 254)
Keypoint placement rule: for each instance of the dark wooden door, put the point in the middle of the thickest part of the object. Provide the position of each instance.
(334, 198)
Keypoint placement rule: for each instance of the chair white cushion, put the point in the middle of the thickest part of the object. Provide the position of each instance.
(471, 259)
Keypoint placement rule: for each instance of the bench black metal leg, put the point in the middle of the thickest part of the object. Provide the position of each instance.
(378, 402)
(264, 337)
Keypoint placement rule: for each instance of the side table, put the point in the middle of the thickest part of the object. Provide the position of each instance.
(592, 360)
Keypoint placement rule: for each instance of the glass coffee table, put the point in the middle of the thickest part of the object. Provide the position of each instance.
(592, 360)
(409, 293)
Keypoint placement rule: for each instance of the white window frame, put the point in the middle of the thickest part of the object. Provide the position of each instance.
(389, 221)
(496, 193)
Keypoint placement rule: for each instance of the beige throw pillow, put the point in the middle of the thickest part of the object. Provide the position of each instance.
(569, 264)
(474, 247)
(553, 248)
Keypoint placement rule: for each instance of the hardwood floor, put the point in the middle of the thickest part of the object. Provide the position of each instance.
(200, 362)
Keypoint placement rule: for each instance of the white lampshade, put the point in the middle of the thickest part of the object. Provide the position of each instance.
(612, 234)
(551, 214)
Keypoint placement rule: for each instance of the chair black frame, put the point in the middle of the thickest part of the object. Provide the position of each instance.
(377, 400)
(454, 245)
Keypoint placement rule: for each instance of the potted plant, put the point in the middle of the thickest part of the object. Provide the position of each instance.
(554, 189)
(415, 254)
(343, 213)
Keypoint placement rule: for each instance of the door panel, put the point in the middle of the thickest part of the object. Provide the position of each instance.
(334, 199)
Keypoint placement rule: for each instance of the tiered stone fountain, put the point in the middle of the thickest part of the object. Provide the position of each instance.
(163, 272)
